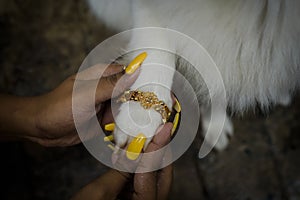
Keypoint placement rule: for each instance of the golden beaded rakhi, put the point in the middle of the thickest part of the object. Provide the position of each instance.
(147, 100)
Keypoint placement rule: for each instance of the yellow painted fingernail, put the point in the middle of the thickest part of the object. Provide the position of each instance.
(108, 138)
(109, 127)
(177, 105)
(135, 63)
(135, 147)
(175, 123)
(111, 147)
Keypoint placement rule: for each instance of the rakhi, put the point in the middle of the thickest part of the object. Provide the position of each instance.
(147, 100)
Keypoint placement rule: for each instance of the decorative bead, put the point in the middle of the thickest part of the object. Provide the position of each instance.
(147, 100)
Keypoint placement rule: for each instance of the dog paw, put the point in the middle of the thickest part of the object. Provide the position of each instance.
(137, 121)
(133, 120)
(212, 135)
(285, 100)
(226, 133)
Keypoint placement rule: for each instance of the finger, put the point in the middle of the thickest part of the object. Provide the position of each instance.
(107, 186)
(120, 161)
(145, 184)
(112, 86)
(113, 69)
(114, 181)
(152, 161)
(98, 70)
(164, 182)
(161, 138)
(108, 114)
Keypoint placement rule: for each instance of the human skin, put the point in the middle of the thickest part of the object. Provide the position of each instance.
(48, 119)
(147, 186)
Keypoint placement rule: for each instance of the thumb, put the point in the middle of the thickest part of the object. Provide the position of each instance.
(111, 86)
(107, 186)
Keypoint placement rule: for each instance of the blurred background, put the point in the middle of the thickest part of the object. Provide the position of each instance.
(43, 42)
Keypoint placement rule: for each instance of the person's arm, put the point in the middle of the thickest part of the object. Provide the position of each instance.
(48, 119)
(17, 116)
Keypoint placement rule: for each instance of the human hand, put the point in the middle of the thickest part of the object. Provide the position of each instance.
(54, 120)
(150, 185)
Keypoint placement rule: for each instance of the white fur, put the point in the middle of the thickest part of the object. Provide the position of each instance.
(255, 44)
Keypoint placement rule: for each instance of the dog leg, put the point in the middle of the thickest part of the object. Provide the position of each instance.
(132, 118)
(227, 128)
(285, 100)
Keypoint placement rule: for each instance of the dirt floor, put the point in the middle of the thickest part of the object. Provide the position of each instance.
(43, 42)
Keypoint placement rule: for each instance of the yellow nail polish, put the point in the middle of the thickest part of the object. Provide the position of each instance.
(177, 105)
(135, 63)
(135, 147)
(175, 123)
(109, 127)
(108, 138)
(111, 147)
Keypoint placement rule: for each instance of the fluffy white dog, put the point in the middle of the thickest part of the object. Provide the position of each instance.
(254, 43)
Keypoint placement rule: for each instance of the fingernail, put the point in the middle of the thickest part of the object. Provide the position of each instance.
(111, 147)
(108, 138)
(135, 147)
(175, 123)
(177, 105)
(135, 63)
(109, 127)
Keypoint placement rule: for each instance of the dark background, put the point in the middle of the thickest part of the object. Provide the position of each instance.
(43, 42)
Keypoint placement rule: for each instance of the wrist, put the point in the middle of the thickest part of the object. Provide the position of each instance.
(26, 116)
(17, 117)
